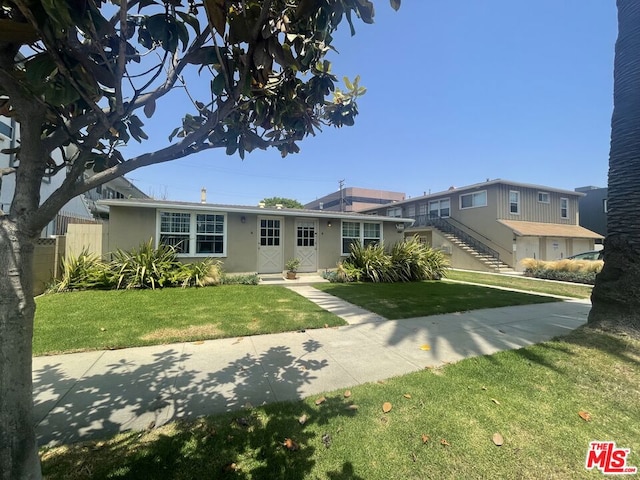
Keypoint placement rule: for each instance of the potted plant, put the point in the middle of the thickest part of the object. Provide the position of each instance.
(292, 267)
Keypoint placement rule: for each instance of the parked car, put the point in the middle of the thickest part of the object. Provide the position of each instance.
(593, 255)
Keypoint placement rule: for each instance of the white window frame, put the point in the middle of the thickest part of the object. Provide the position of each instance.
(565, 201)
(605, 205)
(193, 232)
(360, 235)
(546, 195)
(517, 202)
(473, 196)
(411, 211)
(439, 203)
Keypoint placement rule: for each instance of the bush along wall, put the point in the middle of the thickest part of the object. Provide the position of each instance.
(407, 261)
(576, 271)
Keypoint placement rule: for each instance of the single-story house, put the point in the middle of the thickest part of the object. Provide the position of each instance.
(247, 238)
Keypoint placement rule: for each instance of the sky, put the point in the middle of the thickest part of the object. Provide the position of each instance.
(458, 92)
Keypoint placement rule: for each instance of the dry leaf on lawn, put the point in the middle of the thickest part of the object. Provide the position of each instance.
(497, 439)
(407, 395)
(495, 401)
(586, 416)
(347, 393)
(484, 388)
(320, 400)
(290, 445)
(444, 443)
(303, 419)
(386, 407)
(351, 407)
(232, 467)
(425, 438)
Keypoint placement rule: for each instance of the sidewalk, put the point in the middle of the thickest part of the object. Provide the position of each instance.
(95, 394)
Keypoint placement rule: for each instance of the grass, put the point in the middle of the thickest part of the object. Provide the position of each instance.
(532, 397)
(97, 320)
(523, 283)
(417, 299)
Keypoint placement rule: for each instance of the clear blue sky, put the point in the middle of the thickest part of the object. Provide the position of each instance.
(458, 92)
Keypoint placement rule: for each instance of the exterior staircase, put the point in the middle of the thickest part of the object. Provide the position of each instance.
(491, 261)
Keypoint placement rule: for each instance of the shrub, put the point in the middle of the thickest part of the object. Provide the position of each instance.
(146, 267)
(374, 263)
(577, 271)
(200, 274)
(241, 279)
(84, 272)
(414, 261)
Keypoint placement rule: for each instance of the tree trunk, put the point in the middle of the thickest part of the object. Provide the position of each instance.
(18, 450)
(616, 295)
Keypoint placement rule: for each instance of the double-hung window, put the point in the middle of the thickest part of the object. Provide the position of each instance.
(194, 234)
(514, 202)
(544, 197)
(365, 233)
(473, 200)
(394, 212)
(440, 208)
(564, 208)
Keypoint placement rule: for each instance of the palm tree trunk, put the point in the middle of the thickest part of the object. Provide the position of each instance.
(616, 295)
(18, 449)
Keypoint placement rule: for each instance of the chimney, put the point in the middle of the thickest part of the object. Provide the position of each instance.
(261, 205)
(203, 195)
(320, 205)
(279, 206)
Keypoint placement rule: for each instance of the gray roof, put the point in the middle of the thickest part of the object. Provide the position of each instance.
(286, 212)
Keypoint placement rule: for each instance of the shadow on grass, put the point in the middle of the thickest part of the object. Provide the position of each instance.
(622, 348)
(141, 394)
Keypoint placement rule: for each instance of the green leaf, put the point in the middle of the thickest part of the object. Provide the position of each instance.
(217, 14)
(218, 84)
(150, 107)
(395, 4)
(191, 21)
(39, 69)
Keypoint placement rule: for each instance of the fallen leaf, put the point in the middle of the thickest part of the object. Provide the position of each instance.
(497, 439)
(425, 438)
(586, 416)
(382, 382)
(384, 419)
(102, 329)
(326, 439)
(407, 395)
(303, 419)
(425, 347)
(484, 388)
(495, 401)
(326, 325)
(290, 445)
(199, 342)
(320, 400)
(351, 407)
(414, 457)
(238, 340)
(386, 407)
(444, 443)
(152, 425)
(347, 393)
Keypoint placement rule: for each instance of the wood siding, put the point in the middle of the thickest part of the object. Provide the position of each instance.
(531, 210)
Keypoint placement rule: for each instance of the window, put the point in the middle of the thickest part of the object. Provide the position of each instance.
(514, 202)
(543, 197)
(6, 130)
(194, 234)
(422, 209)
(564, 208)
(411, 211)
(269, 232)
(473, 200)
(367, 233)
(174, 230)
(394, 212)
(440, 208)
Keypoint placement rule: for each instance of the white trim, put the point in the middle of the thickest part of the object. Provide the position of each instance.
(361, 236)
(486, 200)
(193, 232)
(567, 209)
(517, 202)
(544, 193)
(439, 202)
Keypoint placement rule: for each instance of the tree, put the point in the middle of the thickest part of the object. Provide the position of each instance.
(285, 202)
(616, 295)
(78, 75)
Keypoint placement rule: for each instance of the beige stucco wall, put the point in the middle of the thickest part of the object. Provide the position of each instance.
(129, 227)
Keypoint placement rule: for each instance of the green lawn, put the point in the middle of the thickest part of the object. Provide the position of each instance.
(440, 426)
(523, 283)
(417, 299)
(96, 320)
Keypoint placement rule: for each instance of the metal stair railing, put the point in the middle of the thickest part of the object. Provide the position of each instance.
(444, 225)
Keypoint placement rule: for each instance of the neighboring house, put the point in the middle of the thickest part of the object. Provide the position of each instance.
(494, 225)
(593, 209)
(245, 238)
(81, 209)
(354, 199)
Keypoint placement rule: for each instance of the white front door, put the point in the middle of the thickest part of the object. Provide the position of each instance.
(270, 245)
(307, 245)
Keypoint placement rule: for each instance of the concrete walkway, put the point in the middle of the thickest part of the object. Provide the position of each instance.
(95, 394)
